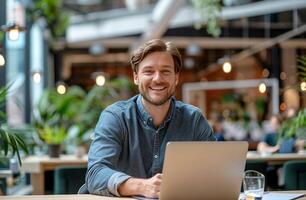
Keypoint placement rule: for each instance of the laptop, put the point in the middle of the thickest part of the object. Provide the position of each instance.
(203, 170)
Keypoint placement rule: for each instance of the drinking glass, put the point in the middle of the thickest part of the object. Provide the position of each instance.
(253, 185)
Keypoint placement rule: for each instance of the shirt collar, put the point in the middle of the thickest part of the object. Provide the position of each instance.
(146, 118)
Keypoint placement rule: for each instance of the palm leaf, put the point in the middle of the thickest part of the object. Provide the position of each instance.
(4, 141)
(8, 140)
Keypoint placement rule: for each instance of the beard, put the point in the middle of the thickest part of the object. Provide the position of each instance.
(155, 102)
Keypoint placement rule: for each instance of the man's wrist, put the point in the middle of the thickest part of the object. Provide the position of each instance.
(130, 187)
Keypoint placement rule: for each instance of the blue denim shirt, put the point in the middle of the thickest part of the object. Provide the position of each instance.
(127, 144)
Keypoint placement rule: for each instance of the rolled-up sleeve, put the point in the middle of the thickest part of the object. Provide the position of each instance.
(102, 178)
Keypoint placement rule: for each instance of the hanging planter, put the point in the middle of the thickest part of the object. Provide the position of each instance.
(209, 11)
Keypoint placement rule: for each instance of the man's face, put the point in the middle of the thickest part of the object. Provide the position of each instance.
(156, 78)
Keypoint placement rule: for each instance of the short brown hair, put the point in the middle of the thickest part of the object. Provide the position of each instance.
(156, 45)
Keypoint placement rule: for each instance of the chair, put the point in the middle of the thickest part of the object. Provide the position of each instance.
(4, 165)
(260, 166)
(68, 180)
(295, 175)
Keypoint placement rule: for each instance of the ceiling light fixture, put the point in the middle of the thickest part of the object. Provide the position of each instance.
(13, 30)
(262, 88)
(14, 27)
(61, 88)
(99, 77)
(227, 67)
(36, 77)
(303, 86)
(2, 60)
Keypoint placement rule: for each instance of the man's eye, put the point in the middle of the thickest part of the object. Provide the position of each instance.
(166, 72)
(148, 72)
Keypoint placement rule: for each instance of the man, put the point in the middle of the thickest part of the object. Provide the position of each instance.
(127, 153)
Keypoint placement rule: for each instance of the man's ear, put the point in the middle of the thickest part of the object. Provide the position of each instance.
(135, 78)
(177, 75)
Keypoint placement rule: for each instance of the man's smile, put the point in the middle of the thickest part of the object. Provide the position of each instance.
(158, 88)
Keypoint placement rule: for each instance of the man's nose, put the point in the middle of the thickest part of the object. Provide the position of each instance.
(157, 76)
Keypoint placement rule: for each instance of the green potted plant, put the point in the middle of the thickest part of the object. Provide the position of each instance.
(53, 116)
(295, 127)
(90, 107)
(209, 11)
(10, 142)
(51, 11)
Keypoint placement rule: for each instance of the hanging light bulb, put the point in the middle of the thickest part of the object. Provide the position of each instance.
(36, 77)
(99, 77)
(2, 60)
(227, 67)
(100, 80)
(265, 73)
(262, 88)
(283, 106)
(13, 30)
(303, 86)
(13, 34)
(61, 88)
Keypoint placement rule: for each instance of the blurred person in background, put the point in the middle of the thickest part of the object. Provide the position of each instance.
(218, 130)
(269, 143)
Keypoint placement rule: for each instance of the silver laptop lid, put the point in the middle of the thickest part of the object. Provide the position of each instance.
(203, 170)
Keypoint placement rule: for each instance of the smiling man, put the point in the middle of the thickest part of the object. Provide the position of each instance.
(127, 154)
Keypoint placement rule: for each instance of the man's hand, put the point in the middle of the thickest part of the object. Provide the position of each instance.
(145, 187)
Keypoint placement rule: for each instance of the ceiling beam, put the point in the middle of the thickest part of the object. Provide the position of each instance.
(136, 23)
(162, 15)
(259, 47)
(183, 42)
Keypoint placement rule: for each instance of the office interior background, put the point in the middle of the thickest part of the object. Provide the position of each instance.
(64, 61)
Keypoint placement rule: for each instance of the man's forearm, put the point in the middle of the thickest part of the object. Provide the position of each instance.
(144, 187)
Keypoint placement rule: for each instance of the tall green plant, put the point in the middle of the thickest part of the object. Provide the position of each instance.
(302, 68)
(296, 126)
(9, 141)
(51, 10)
(209, 11)
(96, 100)
(54, 113)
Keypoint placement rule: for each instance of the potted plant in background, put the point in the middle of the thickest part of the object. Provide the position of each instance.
(209, 11)
(56, 20)
(295, 127)
(70, 118)
(89, 110)
(53, 116)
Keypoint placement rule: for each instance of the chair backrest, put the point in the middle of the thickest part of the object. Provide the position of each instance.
(260, 166)
(4, 165)
(68, 180)
(295, 175)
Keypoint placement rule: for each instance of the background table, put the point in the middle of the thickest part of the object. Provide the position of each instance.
(62, 197)
(37, 165)
(90, 197)
(278, 158)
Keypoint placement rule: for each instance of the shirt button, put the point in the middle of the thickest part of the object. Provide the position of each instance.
(155, 156)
